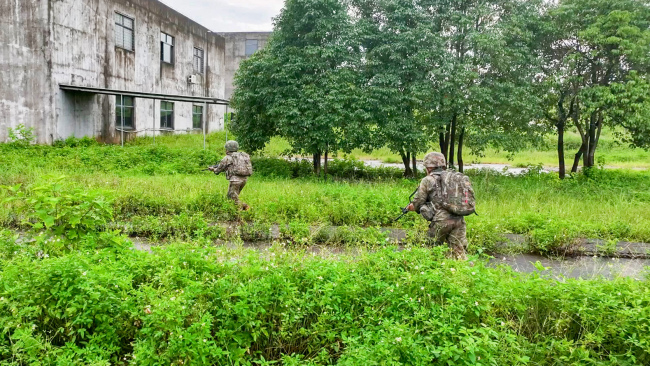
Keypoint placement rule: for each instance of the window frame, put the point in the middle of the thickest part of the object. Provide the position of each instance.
(201, 68)
(119, 106)
(121, 25)
(257, 47)
(202, 114)
(164, 43)
(169, 117)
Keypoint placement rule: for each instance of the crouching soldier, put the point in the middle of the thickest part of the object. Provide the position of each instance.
(238, 168)
(444, 198)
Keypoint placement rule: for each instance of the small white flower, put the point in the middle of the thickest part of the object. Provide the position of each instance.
(416, 267)
(421, 273)
(84, 273)
(453, 270)
(476, 303)
(398, 339)
(422, 288)
(619, 294)
(502, 323)
(397, 285)
(320, 277)
(173, 298)
(205, 340)
(473, 273)
(180, 336)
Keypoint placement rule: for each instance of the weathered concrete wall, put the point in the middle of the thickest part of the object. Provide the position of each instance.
(26, 90)
(86, 55)
(46, 43)
(236, 53)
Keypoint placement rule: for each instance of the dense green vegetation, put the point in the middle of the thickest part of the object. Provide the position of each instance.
(73, 291)
(340, 75)
(161, 192)
(95, 301)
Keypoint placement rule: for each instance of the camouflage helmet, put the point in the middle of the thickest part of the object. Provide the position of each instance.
(232, 146)
(434, 160)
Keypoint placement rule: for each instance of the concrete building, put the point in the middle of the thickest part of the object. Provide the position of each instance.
(239, 46)
(89, 67)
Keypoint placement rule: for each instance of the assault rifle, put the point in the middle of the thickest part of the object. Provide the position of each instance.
(405, 209)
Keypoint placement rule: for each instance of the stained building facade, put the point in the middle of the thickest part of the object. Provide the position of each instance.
(112, 69)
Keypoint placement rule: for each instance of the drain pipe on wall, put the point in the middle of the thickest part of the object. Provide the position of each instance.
(205, 121)
(122, 110)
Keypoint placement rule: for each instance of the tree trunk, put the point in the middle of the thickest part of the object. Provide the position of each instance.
(591, 145)
(560, 148)
(317, 163)
(407, 164)
(414, 160)
(578, 156)
(461, 165)
(594, 145)
(325, 166)
(441, 142)
(445, 152)
(452, 142)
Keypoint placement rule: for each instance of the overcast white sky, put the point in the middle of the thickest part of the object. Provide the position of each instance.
(230, 15)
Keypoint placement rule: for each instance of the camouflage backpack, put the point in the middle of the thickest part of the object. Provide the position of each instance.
(241, 165)
(457, 194)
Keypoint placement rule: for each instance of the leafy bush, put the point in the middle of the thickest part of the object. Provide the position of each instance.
(59, 209)
(201, 305)
(22, 136)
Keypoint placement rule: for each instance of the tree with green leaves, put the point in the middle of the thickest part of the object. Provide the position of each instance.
(303, 86)
(396, 44)
(591, 50)
(484, 84)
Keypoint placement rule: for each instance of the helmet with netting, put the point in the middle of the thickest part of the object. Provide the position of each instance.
(434, 160)
(232, 146)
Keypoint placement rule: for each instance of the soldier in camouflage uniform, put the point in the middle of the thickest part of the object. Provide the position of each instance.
(445, 227)
(237, 166)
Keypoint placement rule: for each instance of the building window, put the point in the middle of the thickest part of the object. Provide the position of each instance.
(251, 46)
(198, 60)
(167, 115)
(124, 37)
(124, 108)
(166, 48)
(197, 117)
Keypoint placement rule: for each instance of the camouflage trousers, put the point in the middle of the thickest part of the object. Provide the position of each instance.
(234, 189)
(452, 231)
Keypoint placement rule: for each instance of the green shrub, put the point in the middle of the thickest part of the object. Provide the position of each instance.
(201, 305)
(22, 136)
(63, 211)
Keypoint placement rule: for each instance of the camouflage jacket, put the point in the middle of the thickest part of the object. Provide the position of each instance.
(227, 165)
(429, 191)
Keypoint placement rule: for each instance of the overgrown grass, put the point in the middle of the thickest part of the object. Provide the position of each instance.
(151, 185)
(610, 153)
(98, 302)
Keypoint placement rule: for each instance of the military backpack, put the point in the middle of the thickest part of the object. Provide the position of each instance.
(241, 165)
(456, 193)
